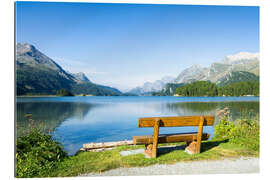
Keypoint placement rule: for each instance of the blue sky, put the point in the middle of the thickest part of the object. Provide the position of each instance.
(125, 45)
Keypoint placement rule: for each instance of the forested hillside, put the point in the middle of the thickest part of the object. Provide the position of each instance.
(206, 88)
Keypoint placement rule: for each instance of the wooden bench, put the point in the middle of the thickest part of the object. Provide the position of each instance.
(193, 140)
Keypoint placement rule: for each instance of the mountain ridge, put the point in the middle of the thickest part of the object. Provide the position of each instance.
(148, 87)
(36, 73)
(239, 62)
(242, 61)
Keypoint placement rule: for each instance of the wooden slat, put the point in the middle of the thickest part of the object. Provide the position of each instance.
(176, 121)
(168, 138)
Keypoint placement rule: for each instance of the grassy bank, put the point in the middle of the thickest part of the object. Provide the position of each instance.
(101, 161)
(231, 140)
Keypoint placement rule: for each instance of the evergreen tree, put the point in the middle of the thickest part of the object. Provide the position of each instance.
(63, 92)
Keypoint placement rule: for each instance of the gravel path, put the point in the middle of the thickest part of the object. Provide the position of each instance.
(228, 166)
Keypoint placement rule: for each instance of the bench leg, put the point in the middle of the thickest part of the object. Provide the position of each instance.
(199, 136)
(155, 138)
(194, 147)
(188, 143)
(191, 147)
(148, 150)
(151, 149)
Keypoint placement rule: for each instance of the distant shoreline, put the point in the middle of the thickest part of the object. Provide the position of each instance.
(38, 96)
(48, 95)
(126, 96)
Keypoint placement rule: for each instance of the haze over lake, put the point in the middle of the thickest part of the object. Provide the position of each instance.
(78, 120)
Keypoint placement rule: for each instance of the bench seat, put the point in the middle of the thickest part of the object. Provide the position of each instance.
(169, 138)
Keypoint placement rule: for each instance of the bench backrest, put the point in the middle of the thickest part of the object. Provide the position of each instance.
(176, 121)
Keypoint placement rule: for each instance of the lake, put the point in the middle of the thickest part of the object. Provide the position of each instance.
(74, 121)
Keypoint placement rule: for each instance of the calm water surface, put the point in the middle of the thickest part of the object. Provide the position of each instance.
(78, 120)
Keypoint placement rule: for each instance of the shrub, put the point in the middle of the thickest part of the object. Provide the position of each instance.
(224, 129)
(245, 132)
(36, 154)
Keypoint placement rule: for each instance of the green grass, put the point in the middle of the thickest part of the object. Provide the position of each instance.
(86, 162)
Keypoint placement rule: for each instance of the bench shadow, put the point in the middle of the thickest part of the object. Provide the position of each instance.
(205, 146)
(166, 149)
